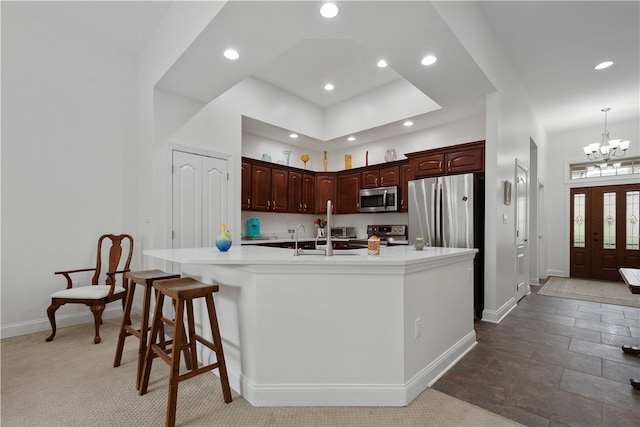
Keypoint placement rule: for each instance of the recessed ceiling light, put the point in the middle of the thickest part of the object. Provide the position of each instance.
(351, 138)
(328, 86)
(407, 123)
(382, 63)
(231, 54)
(603, 65)
(293, 135)
(429, 60)
(329, 10)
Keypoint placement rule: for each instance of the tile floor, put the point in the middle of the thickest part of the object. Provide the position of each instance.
(553, 362)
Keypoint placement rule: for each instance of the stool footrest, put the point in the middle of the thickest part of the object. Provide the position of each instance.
(200, 370)
(130, 330)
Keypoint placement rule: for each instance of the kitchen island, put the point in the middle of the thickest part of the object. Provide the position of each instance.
(346, 330)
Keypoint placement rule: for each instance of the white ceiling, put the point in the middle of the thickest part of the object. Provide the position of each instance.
(553, 46)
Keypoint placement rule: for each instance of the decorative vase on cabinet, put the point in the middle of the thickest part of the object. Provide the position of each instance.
(223, 241)
(390, 155)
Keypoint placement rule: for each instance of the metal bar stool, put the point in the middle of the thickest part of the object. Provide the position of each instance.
(183, 292)
(144, 278)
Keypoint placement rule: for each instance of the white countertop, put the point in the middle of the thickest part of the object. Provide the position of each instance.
(254, 255)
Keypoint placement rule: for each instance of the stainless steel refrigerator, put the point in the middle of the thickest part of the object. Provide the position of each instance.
(448, 211)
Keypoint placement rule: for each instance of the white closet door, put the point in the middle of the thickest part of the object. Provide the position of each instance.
(215, 187)
(200, 190)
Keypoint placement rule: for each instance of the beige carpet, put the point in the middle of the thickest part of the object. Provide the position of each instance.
(71, 382)
(590, 290)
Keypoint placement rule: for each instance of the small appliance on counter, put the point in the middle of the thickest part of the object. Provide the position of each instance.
(343, 232)
(253, 229)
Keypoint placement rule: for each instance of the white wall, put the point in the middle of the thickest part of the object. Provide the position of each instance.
(566, 148)
(182, 23)
(510, 125)
(69, 126)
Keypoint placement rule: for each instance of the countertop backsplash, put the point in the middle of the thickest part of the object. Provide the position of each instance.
(278, 225)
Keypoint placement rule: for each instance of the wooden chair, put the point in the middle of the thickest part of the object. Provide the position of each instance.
(96, 296)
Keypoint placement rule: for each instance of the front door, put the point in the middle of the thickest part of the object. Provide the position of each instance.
(604, 231)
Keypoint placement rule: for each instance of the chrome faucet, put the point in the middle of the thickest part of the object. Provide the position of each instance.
(296, 253)
(329, 250)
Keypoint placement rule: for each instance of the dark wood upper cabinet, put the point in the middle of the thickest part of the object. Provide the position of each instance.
(269, 188)
(260, 188)
(429, 165)
(308, 193)
(245, 198)
(406, 175)
(348, 193)
(451, 160)
(389, 176)
(295, 192)
(466, 160)
(325, 190)
(370, 178)
(279, 190)
(380, 176)
(302, 188)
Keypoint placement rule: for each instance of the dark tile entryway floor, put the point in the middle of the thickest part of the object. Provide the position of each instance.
(553, 362)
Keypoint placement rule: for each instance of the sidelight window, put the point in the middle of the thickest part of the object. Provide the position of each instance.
(609, 221)
(633, 213)
(578, 220)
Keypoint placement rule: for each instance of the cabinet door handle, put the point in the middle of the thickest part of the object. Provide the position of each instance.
(449, 165)
(440, 165)
(274, 205)
(268, 204)
(300, 209)
(248, 202)
(382, 181)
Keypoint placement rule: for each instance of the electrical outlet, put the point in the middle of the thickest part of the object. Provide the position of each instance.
(417, 329)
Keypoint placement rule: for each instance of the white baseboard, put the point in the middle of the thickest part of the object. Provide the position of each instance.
(557, 273)
(349, 394)
(496, 316)
(62, 321)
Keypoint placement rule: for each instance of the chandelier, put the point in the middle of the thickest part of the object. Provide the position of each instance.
(607, 148)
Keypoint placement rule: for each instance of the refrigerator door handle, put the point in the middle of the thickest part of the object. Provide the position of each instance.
(384, 199)
(437, 232)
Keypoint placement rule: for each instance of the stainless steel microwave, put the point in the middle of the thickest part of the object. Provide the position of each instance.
(380, 199)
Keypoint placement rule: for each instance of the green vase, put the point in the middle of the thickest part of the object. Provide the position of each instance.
(223, 241)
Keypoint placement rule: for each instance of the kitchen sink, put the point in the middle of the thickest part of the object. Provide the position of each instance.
(321, 252)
